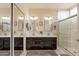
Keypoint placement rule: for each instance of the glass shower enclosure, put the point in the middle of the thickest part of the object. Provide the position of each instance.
(11, 30)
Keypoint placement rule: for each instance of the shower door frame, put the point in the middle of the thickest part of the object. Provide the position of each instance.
(12, 31)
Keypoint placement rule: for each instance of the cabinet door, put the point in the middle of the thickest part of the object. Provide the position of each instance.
(6, 43)
(1, 44)
(18, 43)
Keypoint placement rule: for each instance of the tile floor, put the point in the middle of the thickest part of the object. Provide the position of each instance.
(41, 53)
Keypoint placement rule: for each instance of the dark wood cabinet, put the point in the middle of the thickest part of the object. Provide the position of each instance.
(18, 43)
(4, 43)
(32, 43)
(1, 44)
(41, 43)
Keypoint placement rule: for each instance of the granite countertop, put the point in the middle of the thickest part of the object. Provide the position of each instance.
(41, 36)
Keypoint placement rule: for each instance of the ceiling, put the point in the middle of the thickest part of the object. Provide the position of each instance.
(48, 5)
(41, 5)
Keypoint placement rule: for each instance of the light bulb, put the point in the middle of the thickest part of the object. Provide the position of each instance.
(20, 17)
(5, 17)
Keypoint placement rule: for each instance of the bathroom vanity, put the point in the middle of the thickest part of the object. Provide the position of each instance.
(41, 43)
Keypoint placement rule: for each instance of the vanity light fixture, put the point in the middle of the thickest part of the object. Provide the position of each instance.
(48, 18)
(5, 17)
(33, 18)
(20, 17)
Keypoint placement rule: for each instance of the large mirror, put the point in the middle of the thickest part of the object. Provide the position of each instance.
(41, 25)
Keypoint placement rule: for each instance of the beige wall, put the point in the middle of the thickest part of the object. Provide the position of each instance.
(42, 12)
(4, 11)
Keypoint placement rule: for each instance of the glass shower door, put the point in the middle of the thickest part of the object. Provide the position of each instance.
(18, 30)
(69, 35)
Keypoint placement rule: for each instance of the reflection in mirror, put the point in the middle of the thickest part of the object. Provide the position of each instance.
(49, 25)
(5, 24)
(18, 21)
(5, 29)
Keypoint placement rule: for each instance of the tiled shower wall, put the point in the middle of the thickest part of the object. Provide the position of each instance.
(68, 35)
